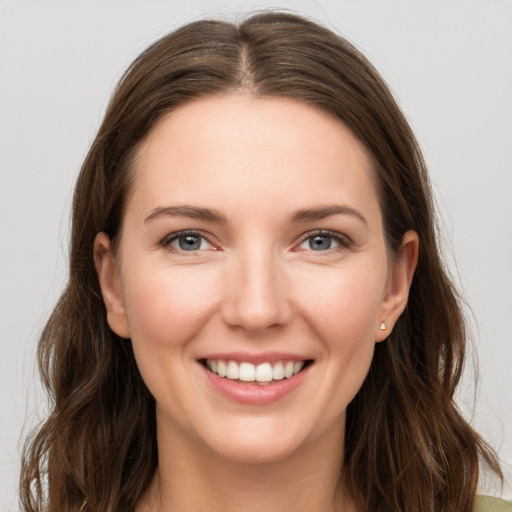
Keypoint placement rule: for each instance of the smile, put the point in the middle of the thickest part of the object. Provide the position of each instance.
(263, 373)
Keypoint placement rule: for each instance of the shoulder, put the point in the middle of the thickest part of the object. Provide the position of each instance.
(489, 504)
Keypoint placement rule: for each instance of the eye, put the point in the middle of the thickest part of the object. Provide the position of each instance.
(324, 241)
(187, 241)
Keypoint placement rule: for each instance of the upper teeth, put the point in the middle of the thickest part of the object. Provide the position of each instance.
(248, 372)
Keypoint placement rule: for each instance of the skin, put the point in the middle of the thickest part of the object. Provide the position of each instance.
(254, 285)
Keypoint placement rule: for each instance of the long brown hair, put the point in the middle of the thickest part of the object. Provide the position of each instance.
(407, 447)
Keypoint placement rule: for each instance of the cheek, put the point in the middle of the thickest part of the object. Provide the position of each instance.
(343, 313)
(343, 305)
(167, 306)
(166, 309)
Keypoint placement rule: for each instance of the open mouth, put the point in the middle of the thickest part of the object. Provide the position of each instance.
(262, 374)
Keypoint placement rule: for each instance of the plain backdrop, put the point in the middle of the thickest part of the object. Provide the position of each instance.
(448, 62)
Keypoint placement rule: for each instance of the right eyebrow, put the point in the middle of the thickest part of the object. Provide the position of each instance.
(192, 212)
(323, 211)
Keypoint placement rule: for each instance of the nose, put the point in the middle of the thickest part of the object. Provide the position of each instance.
(256, 293)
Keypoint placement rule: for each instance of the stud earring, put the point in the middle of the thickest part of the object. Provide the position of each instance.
(382, 326)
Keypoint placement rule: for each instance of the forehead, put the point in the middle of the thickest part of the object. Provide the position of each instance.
(246, 151)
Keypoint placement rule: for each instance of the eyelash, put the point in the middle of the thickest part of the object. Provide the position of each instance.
(343, 241)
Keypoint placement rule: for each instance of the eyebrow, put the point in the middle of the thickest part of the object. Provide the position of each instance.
(321, 212)
(192, 212)
(212, 215)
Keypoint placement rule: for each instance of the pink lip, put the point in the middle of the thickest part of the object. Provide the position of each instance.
(254, 394)
(267, 357)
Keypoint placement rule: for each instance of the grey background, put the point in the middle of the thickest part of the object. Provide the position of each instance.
(449, 64)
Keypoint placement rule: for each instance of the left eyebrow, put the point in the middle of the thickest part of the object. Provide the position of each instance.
(192, 212)
(321, 212)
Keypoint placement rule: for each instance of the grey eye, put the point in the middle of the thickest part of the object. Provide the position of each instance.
(186, 242)
(320, 242)
(189, 242)
(323, 241)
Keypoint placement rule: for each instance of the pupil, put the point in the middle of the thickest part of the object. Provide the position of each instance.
(189, 242)
(320, 243)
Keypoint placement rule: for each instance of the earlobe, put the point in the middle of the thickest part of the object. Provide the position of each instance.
(107, 268)
(400, 279)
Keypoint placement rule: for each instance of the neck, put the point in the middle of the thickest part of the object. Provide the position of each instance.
(191, 477)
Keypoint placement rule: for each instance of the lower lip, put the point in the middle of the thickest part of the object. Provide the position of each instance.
(254, 394)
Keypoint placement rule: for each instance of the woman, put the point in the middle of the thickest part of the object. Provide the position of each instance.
(257, 315)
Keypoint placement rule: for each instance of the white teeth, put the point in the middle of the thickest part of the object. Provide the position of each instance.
(232, 371)
(248, 372)
(264, 372)
(221, 368)
(297, 367)
(278, 371)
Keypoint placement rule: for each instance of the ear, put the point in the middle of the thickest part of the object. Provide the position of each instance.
(399, 283)
(107, 268)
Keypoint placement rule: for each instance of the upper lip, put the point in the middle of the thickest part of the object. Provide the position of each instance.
(245, 357)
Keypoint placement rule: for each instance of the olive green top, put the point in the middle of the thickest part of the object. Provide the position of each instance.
(489, 504)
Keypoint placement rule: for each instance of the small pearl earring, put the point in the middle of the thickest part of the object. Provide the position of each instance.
(382, 326)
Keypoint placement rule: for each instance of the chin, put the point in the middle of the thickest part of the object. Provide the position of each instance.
(256, 453)
(257, 442)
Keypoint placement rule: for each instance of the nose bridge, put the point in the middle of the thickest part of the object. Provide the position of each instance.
(257, 292)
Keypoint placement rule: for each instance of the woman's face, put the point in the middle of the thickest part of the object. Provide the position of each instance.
(252, 245)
